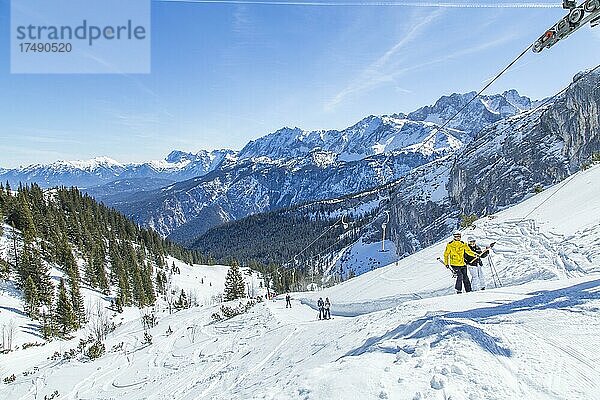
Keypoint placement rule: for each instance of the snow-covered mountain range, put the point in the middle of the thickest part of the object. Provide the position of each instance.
(177, 166)
(381, 134)
(188, 193)
(292, 166)
(371, 136)
(507, 162)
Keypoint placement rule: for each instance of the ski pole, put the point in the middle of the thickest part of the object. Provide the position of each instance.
(444, 264)
(492, 272)
(494, 268)
(486, 250)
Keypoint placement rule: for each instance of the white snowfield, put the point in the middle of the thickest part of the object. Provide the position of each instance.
(534, 338)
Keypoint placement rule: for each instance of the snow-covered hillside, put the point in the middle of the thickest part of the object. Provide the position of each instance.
(531, 341)
(532, 338)
(554, 234)
(202, 284)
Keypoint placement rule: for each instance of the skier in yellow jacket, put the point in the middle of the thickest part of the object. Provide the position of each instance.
(454, 257)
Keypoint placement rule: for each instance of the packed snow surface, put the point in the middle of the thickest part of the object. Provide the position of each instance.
(498, 344)
(397, 332)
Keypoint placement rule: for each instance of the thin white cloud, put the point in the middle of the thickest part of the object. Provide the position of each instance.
(242, 24)
(135, 80)
(391, 77)
(460, 53)
(381, 71)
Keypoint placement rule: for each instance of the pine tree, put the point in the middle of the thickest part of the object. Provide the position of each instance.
(76, 297)
(161, 282)
(89, 273)
(99, 260)
(65, 317)
(31, 266)
(133, 270)
(148, 286)
(24, 266)
(72, 271)
(235, 288)
(48, 325)
(119, 276)
(182, 302)
(1, 212)
(32, 300)
(26, 224)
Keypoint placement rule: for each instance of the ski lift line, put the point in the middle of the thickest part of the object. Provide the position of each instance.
(334, 244)
(445, 124)
(327, 249)
(543, 104)
(563, 184)
(513, 62)
(369, 4)
(321, 253)
(315, 241)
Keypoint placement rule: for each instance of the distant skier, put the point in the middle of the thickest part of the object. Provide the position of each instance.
(321, 306)
(454, 257)
(288, 301)
(476, 264)
(327, 314)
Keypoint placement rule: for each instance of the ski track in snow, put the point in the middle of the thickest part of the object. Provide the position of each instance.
(498, 343)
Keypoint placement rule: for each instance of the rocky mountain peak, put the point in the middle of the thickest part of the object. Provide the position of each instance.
(178, 156)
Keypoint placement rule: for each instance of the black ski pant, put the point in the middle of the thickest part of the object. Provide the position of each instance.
(288, 303)
(321, 313)
(461, 278)
(327, 314)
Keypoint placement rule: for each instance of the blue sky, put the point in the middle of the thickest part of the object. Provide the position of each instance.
(224, 74)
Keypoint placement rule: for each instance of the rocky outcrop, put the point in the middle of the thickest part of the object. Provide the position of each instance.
(503, 165)
(509, 159)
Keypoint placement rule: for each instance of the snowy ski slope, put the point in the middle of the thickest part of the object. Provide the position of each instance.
(554, 234)
(534, 338)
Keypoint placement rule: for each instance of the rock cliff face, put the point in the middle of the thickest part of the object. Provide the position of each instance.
(509, 159)
(501, 166)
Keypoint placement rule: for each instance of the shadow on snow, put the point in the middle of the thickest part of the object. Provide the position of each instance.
(441, 326)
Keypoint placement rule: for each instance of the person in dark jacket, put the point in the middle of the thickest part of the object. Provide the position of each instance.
(321, 306)
(288, 301)
(454, 257)
(476, 264)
